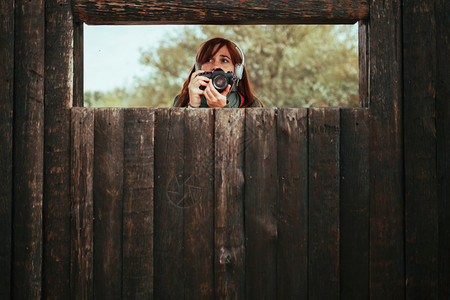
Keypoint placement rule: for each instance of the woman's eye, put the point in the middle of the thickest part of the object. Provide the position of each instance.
(224, 60)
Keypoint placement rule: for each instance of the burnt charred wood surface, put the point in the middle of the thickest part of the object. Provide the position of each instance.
(220, 12)
(82, 204)
(198, 205)
(292, 147)
(78, 73)
(442, 7)
(138, 204)
(363, 55)
(108, 202)
(354, 204)
(58, 100)
(421, 201)
(387, 261)
(229, 261)
(6, 146)
(323, 203)
(261, 209)
(28, 156)
(245, 202)
(170, 183)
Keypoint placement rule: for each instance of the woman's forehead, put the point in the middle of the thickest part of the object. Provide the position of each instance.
(222, 51)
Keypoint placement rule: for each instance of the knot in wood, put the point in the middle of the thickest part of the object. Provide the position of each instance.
(225, 257)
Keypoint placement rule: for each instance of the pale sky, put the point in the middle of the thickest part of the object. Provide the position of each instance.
(111, 53)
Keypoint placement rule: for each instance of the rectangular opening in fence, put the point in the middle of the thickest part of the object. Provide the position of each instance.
(287, 65)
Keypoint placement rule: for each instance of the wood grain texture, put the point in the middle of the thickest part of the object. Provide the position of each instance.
(292, 249)
(78, 60)
(58, 84)
(138, 203)
(169, 204)
(324, 221)
(261, 226)
(6, 146)
(108, 202)
(28, 148)
(82, 204)
(363, 56)
(199, 204)
(229, 262)
(421, 224)
(354, 203)
(387, 261)
(220, 12)
(442, 7)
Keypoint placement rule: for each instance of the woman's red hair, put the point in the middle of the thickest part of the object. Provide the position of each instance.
(208, 50)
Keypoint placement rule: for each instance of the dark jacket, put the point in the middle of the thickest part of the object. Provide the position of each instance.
(234, 100)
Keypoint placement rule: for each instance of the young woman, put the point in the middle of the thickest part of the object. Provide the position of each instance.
(199, 91)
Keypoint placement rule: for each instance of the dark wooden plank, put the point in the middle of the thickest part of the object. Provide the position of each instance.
(387, 261)
(108, 205)
(229, 262)
(442, 7)
(82, 204)
(292, 251)
(324, 222)
(220, 12)
(261, 203)
(199, 204)
(6, 146)
(354, 204)
(28, 148)
(421, 224)
(78, 73)
(169, 204)
(138, 204)
(363, 56)
(58, 100)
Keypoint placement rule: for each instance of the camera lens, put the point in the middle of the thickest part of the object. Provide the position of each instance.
(220, 82)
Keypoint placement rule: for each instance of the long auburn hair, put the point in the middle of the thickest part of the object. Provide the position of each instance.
(206, 52)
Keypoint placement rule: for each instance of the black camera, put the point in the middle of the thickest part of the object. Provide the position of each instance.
(220, 79)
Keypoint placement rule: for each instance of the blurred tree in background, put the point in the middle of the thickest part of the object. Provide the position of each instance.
(288, 66)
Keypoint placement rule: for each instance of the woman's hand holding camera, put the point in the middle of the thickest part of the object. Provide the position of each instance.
(194, 88)
(213, 97)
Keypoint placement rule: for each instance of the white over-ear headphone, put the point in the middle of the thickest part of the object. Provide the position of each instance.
(238, 68)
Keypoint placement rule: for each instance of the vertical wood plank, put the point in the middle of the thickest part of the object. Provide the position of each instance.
(261, 203)
(442, 7)
(58, 100)
(108, 205)
(292, 251)
(138, 204)
(6, 146)
(421, 202)
(324, 222)
(28, 148)
(354, 204)
(199, 204)
(363, 56)
(82, 204)
(169, 204)
(387, 274)
(78, 60)
(229, 262)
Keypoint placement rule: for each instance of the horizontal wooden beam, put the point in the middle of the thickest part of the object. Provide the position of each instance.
(110, 12)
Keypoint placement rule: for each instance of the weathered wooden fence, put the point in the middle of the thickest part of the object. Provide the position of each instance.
(196, 204)
(171, 202)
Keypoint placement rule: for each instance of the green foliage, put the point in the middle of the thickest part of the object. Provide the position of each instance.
(288, 65)
(118, 97)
